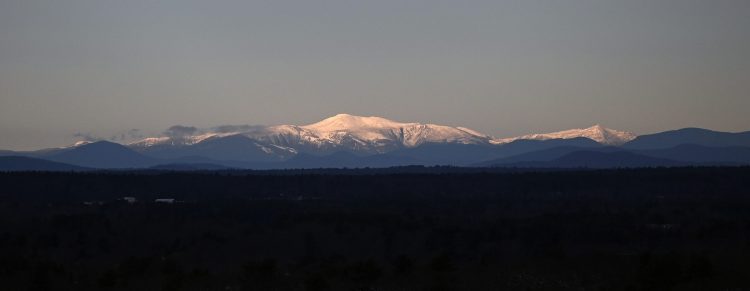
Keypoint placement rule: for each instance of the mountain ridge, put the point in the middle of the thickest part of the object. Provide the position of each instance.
(370, 134)
(21, 163)
(340, 132)
(691, 135)
(371, 141)
(597, 133)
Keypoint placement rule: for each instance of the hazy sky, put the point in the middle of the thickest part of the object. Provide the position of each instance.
(103, 68)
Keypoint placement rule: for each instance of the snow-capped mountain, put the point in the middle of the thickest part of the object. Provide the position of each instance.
(79, 143)
(597, 133)
(340, 132)
(380, 133)
(347, 140)
(359, 135)
(176, 141)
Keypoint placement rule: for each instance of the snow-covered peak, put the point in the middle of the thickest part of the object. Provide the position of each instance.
(79, 143)
(150, 141)
(176, 141)
(340, 132)
(597, 133)
(366, 134)
(380, 133)
(340, 122)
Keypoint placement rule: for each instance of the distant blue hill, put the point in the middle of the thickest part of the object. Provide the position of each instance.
(103, 155)
(688, 154)
(190, 167)
(43, 153)
(469, 154)
(430, 154)
(346, 160)
(695, 136)
(229, 148)
(17, 163)
(691, 146)
(596, 160)
(446, 154)
(240, 151)
(702, 154)
(543, 155)
(525, 146)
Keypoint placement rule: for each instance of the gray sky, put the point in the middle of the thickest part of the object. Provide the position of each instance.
(103, 68)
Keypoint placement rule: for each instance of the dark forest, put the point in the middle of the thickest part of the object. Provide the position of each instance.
(439, 229)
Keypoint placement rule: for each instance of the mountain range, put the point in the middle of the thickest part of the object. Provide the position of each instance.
(353, 141)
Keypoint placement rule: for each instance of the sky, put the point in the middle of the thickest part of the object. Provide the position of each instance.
(74, 69)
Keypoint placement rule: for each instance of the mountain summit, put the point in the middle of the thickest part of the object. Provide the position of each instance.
(597, 133)
(346, 140)
(360, 134)
(345, 121)
(342, 132)
(381, 131)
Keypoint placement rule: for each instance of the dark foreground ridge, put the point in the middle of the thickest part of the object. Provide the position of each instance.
(457, 229)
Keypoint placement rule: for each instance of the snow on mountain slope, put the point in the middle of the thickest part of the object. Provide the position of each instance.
(151, 141)
(339, 132)
(360, 134)
(79, 143)
(382, 132)
(597, 133)
(176, 141)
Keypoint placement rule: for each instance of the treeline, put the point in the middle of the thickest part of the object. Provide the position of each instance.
(642, 229)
